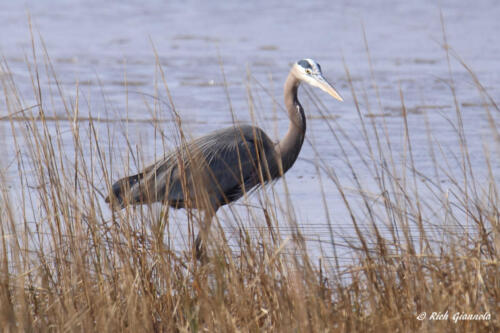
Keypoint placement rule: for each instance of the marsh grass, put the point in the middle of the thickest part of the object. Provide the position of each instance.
(70, 264)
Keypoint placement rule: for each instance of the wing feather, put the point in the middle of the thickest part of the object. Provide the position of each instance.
(223, 165)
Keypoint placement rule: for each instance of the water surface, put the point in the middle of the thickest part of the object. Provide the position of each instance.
(108, 49)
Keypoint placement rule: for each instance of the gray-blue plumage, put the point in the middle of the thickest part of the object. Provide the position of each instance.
(305, 64)
(220, 167)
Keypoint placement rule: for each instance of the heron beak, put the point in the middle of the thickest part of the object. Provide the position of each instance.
(323, 84)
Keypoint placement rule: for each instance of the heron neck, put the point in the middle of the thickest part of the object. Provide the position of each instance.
(289, 147)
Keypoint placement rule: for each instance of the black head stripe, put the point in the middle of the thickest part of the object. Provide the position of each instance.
(305, 64)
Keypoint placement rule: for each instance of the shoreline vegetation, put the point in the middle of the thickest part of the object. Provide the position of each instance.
(69, 264)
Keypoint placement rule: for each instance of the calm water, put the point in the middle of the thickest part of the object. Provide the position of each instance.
(100, 44)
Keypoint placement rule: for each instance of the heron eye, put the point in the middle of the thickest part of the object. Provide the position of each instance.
(308, 71)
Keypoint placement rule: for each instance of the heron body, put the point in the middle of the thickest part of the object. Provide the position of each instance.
(219, 168)
(226, 164)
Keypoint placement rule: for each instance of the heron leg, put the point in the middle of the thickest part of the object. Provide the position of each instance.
(200, 248)
(161, 224)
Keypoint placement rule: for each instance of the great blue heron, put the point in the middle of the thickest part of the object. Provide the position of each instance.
(220, 167)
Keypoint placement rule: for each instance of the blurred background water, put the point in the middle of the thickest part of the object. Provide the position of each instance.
(108, 48)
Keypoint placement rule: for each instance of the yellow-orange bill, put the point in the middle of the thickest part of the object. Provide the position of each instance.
(327, 87)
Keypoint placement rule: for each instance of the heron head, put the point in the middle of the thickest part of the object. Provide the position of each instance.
(309, 71)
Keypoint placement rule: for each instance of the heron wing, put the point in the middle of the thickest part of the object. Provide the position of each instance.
(236, 167)
(227, 163)
(222, 166)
